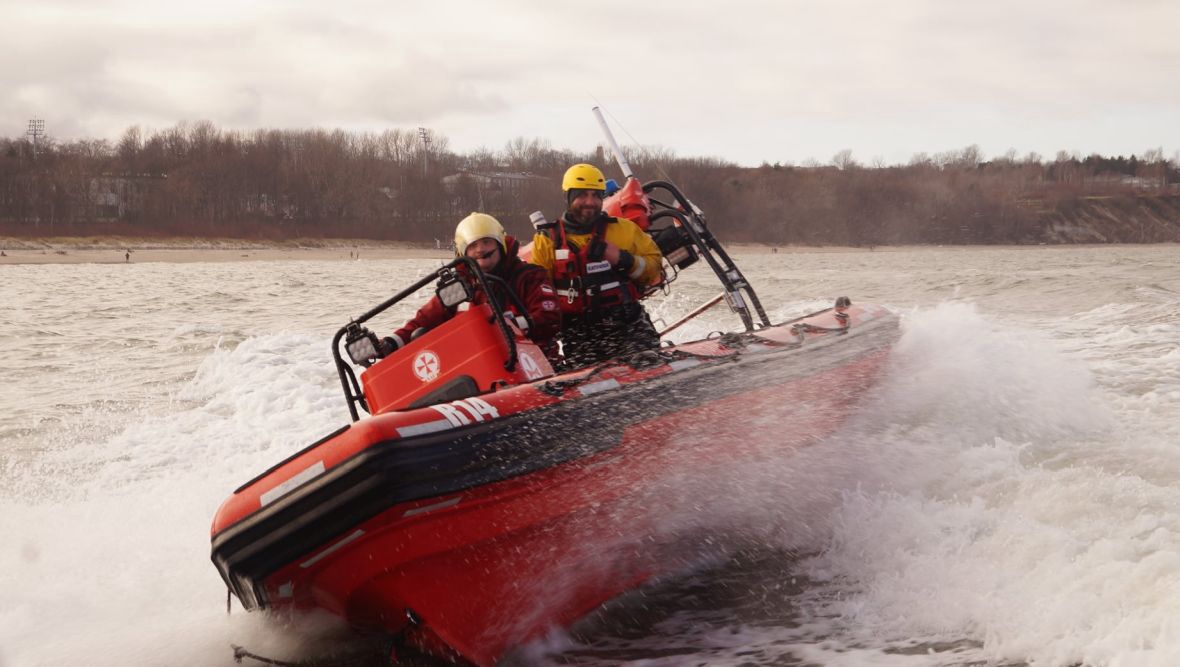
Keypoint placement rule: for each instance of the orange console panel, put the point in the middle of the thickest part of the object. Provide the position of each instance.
(462, 357)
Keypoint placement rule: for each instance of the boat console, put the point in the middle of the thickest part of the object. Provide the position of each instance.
(483, 347)
(462, 357)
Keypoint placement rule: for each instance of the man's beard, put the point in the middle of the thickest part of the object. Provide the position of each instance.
(584, 214)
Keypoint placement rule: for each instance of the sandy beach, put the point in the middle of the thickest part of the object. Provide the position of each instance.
(125, 250)
(116, 250)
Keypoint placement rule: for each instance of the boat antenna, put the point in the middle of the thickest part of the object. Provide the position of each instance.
(614, 145)
(623, 164)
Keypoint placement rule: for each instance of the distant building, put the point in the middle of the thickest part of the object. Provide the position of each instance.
(490, 191)
(494, 181)
(1127, 181)
(116, 197)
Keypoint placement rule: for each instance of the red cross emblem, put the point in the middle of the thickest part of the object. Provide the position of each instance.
(426, 365)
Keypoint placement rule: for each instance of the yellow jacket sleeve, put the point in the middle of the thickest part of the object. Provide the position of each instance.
(543, 252)
(628, 236)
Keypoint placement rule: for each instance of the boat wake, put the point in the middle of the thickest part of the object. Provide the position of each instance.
(916, 535)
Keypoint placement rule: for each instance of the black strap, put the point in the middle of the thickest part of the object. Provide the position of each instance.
(594, 253)
(597, 248)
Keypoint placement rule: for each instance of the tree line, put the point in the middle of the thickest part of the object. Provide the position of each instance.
(195, 179)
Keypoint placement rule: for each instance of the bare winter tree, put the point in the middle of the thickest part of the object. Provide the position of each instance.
(195, 178)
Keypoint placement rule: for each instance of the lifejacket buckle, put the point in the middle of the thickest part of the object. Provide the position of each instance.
(574, 290)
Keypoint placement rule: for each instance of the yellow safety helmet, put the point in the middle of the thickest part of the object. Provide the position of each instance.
(583, 177)
(475, 227)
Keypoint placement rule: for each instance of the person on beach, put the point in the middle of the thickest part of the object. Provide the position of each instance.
(482, 238)
(600, 266)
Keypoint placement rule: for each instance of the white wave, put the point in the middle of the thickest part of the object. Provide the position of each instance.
(119, 550)
(1008, 521)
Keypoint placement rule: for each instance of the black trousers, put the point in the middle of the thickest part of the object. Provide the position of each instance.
(615, 332)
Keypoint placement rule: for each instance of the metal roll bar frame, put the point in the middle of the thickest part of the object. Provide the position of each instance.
(690, 218)
(353, 393)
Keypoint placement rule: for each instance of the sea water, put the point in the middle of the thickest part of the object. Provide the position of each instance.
(1009, 493)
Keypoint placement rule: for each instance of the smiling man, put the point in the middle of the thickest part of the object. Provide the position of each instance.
(600, 266)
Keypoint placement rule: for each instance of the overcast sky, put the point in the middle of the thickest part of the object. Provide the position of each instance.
(745, 80)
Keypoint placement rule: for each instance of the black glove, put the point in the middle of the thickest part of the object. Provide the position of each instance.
(387, 346)
(626, 261)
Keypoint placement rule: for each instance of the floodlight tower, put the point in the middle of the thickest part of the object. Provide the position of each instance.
(36, 129)
(425, 134)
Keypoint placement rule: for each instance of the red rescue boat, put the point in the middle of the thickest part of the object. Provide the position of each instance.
(486, 500)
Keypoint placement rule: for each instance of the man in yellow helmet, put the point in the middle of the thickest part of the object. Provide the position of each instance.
(481, 237)
(601, 266)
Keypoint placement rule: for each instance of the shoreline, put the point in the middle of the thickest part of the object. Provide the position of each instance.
(123, 250)
(132, 250)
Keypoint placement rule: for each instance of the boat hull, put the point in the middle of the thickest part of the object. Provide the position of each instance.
(471, 527)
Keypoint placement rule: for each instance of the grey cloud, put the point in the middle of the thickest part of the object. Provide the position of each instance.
(705, 80)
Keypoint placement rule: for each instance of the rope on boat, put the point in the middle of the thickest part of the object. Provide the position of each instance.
(798, 329)
(558, 387)
(735, 341)
(638, 360)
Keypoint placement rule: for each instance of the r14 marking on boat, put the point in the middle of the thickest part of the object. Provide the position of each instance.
(477, 408)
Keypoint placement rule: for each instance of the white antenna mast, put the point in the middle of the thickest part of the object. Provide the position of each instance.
(614, 145)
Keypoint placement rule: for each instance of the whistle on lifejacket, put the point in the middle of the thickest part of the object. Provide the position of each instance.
(564, 263)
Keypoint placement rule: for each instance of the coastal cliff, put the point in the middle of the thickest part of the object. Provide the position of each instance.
(1113, 219)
